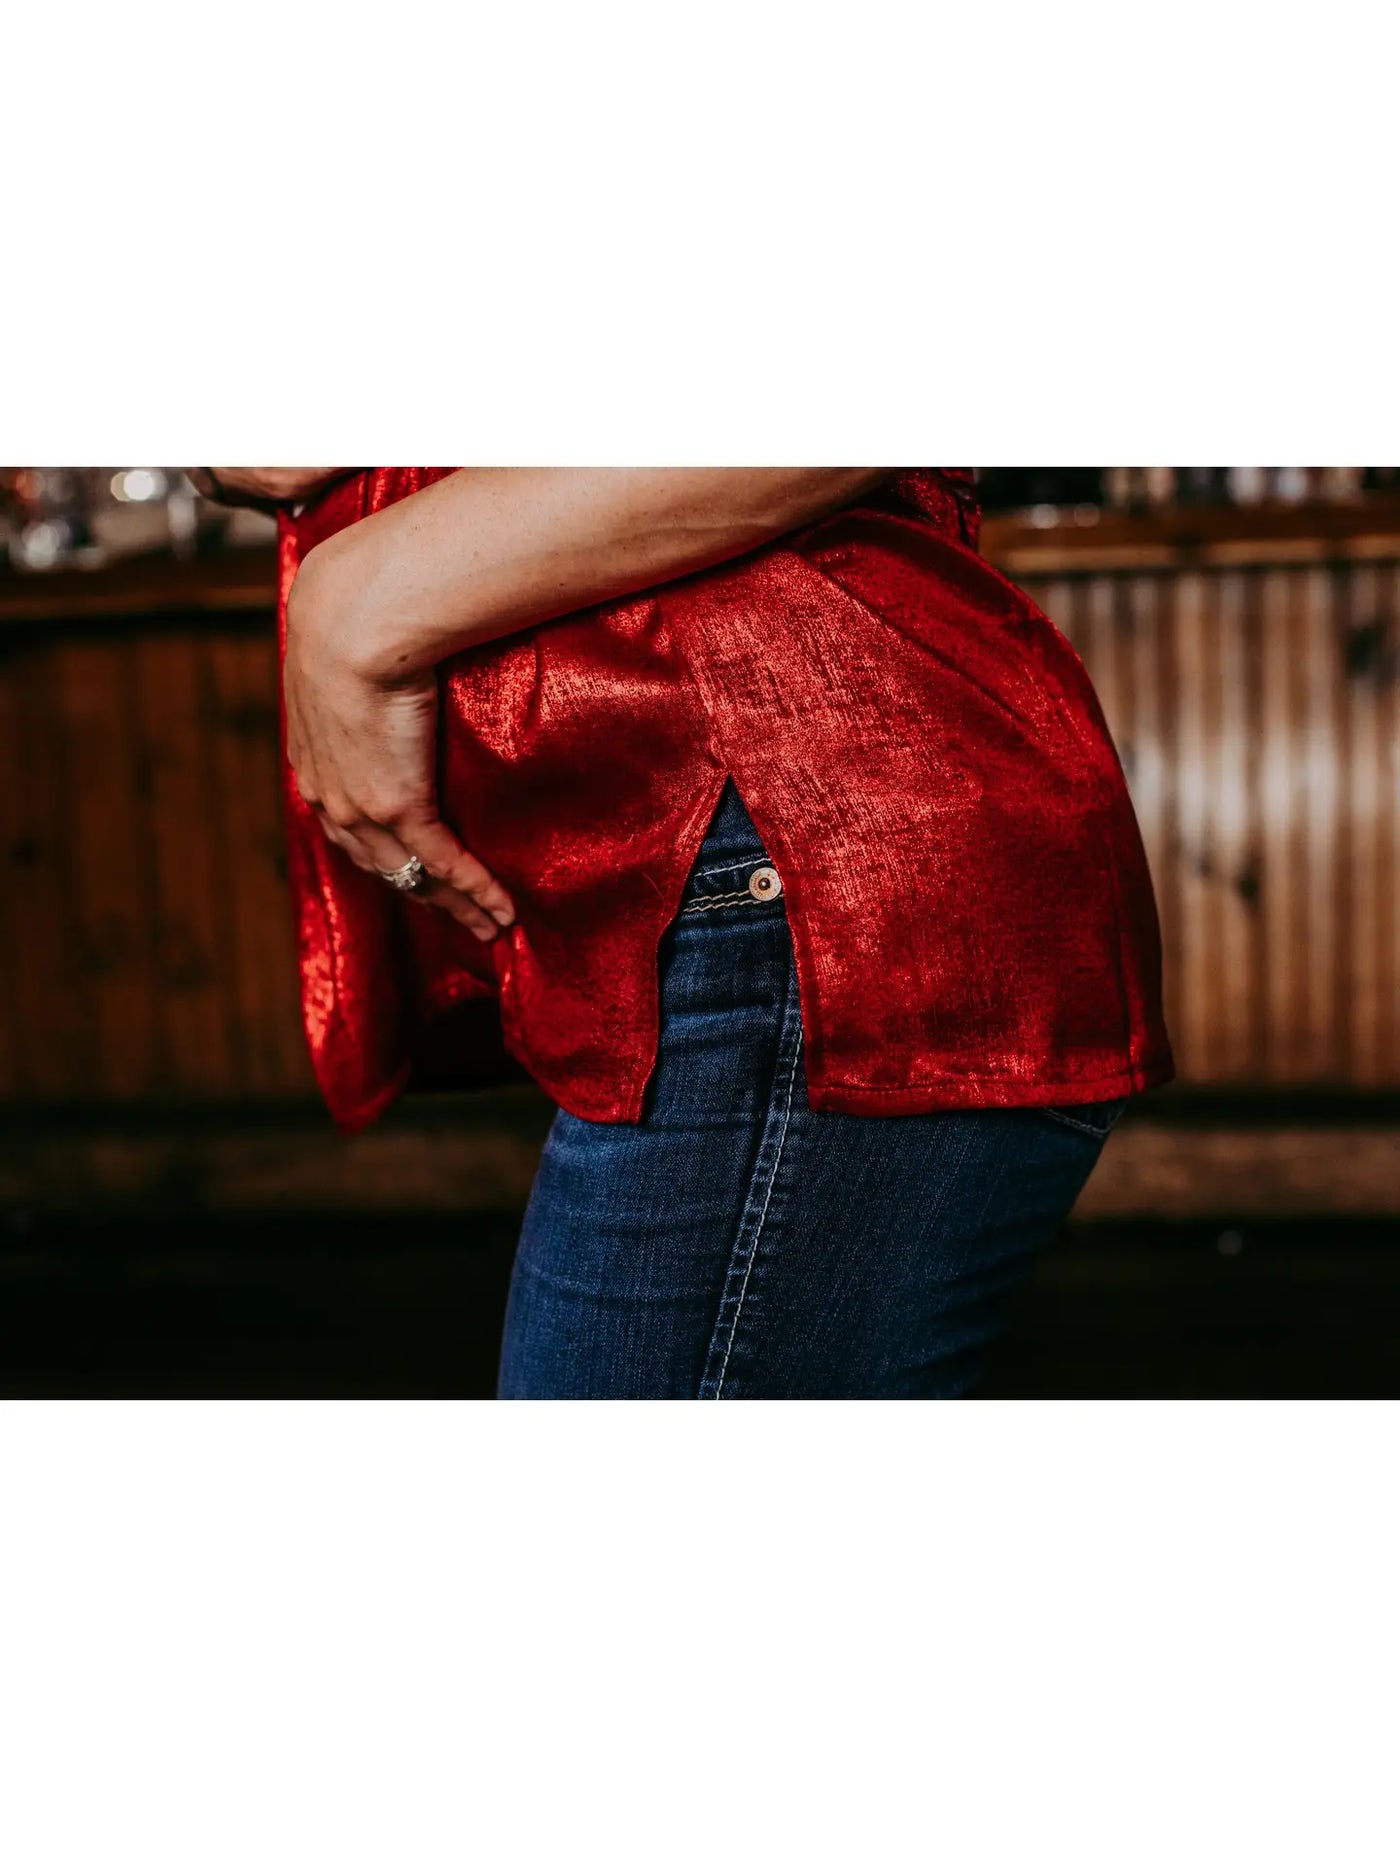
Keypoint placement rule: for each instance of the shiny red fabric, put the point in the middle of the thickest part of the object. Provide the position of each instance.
(922, 753)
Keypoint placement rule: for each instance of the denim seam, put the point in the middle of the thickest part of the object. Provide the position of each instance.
(722, 868)
(701, 903)
(794, 1043)
(1070, 1121)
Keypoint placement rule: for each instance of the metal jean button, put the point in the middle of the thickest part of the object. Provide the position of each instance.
(765, 884)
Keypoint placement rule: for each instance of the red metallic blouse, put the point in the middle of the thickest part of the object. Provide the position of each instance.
(922, 753)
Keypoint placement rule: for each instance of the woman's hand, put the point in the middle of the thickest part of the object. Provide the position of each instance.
(362, 745)
(264, 486)
(377, 607)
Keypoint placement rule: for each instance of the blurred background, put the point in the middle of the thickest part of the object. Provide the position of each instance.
(177, 1216)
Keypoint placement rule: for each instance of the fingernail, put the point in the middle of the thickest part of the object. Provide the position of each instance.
(503, 916)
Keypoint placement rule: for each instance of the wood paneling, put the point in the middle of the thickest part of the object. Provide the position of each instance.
(147, 939)
(230, 583)
(247, 825)
(1256, 707)
(197, 1038)
(47, 1003)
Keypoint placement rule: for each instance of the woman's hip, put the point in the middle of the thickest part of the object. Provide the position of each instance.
(736, 1243)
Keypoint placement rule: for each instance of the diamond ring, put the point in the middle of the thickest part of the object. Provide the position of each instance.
(409, 879)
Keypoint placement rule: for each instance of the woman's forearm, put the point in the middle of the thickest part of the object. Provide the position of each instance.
(491, 550)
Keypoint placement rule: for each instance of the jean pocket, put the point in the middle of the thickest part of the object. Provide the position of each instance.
(1097, 1119)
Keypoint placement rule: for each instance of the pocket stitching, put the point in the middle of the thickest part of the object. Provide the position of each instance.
(1066, 1120)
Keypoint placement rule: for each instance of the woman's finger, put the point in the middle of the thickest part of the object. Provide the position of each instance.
(446, 860)
(379, 853)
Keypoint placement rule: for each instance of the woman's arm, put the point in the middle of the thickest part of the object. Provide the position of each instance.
(482, 553)
(491, 550)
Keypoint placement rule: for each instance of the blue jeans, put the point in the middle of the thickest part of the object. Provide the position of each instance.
(737, 1245)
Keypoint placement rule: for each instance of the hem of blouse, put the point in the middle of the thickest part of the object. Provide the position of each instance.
(928, 1096)
(452, 992)
(931, 1094)
(362, 1114)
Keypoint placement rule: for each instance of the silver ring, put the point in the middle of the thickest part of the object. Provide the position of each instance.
(409, 879)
